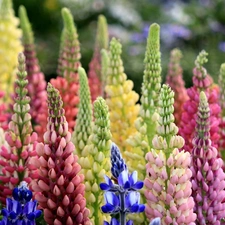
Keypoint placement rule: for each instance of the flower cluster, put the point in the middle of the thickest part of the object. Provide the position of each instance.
(208, 178)
(36, 79)
(21, 140)
(175, 80)
(21, 209)
(59, 188)
(10, 47)
(202, 82)
(168, 186)
(96, 80)
(68, 64)
(121, 197)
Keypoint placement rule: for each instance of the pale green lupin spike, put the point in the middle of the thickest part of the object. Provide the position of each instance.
(104, 67)
(28, 37)
(96, 161)
(68, 21)
(6, 8)
(167, 138)
(200, 61)
(83, 126)
(152, 74)
(175, 58)
(102, 39)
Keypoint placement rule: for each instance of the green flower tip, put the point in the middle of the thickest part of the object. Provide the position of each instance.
(26, 26)
(154, 33)
(176, 54)
(68, 20)
(203, 98)
(100, 107)
(115, 46)
(222, 69)
(201, 59)
(5, 7)
(81, 72)
(102, 33)
(21, 58)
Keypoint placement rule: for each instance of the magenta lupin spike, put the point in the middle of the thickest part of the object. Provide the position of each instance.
(208, 178)
(202, 82)
(59, 189)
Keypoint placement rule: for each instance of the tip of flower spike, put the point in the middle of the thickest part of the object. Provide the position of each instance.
(117, 162)
(21, 58)
(102, 33)
(26, 26)
(222, 69)
(203, 98)
(202, 125)
(21, 193)
(115, 46)
(176, 54)
(81, 72)
(154, 34)
(201, 59)
(5, 7)
(68, 20)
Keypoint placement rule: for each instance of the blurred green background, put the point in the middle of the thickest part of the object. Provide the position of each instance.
(189, 25)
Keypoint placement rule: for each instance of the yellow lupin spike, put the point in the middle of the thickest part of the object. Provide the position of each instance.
(95, 162)
(10, 46)
(121, 99)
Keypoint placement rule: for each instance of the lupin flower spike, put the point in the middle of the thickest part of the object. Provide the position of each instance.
(10, 46)
(3, 112)
(120, 98)
(146, 123)
(83, 127)
(222, 105)
(36, 80)
(21, 139)
(208, 178)
(175, 79)
(121, 197)
(168, 186)
(202, 82)
(94, 74)
(59, 188)
(68, 64)
(104, 69)
(95, 161)
(21, 209)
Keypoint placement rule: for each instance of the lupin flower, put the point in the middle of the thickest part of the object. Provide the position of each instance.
(68, 64)
(130, 222)
(59, 188)
(83, 127)
(95, 77)
(21, 209)
(95, 161)
(168, 186)
(3, 113)
(175, 79)
(121, 197)
(120, 98)
(208, 178)
(10, 46)
(146, 122)
(222, 105)
(202, 82)
(36, 80)
(21, 140)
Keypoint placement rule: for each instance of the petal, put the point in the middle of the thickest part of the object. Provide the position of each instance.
(114, 222)
(141, 208)
(38, 213)
(31, 216)
(105, 223)
(111, 198)
(133, 178)
(107, 208)
(108, 181)
(127, 185)
(104, 186)
(156, 221)
(129, 222)
(5, 212)
(138, 185)
(123, 178)
(132, 198)
(134, 208)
